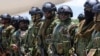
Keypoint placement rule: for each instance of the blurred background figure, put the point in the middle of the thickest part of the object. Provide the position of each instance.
(81, 17)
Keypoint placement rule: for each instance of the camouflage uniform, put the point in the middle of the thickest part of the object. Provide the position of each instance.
(49, 37)
(6, 30)
(46, 30)
(86, 28)
(33, 39)
(5, 36)
(72, 31)
(94, 43)
(34, 31)
(95, 40)
(49, 10)
(61, 39)
(83, 40)
(20, 39)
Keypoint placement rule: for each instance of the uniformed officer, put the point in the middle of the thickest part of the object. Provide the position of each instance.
(36, 17)
(81, 17)
(49, 10)
(6, 30)
(86, 28)
(61, 38)
(20, 38)
(95, 40)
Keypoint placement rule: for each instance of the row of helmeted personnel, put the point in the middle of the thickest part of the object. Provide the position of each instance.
(55, 35)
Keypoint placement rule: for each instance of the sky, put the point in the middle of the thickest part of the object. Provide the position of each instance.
(77, 7)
